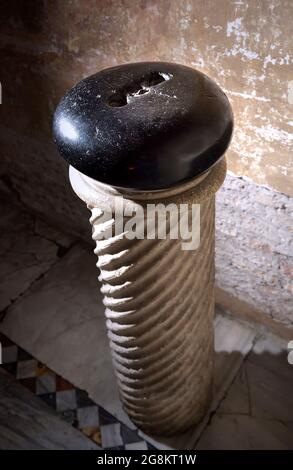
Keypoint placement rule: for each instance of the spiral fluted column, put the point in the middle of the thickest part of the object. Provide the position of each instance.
(158, 297)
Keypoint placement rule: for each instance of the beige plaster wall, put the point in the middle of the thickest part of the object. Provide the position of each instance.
(46, 46)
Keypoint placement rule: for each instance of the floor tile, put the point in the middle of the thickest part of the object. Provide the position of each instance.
(94, 433)
(66, 400)
(236, 432)
(25, 254)
(237, 399)
(256, 413)
(26, 369)
(270, 379)
(129, 435)
(136, 446)
(9, 355)
(111, 435)
(45, 384)
(88, 417)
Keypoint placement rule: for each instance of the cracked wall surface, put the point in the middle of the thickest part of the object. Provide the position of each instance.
(244, 45)
(254, 251)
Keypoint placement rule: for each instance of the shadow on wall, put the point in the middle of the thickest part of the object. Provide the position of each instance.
(34, 76)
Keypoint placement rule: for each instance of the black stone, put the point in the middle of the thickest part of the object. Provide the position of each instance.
(148, 125)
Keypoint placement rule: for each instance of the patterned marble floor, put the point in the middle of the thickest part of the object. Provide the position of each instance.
(26, 422)
(51, 308)
(74, 408)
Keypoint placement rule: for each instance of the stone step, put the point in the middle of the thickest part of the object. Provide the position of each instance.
(26, 422)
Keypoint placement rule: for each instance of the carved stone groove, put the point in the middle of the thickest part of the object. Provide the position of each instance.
(159, 303)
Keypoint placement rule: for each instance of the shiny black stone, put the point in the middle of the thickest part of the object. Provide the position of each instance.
(148, 125)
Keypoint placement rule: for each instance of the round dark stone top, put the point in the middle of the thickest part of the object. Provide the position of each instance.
(148, 125)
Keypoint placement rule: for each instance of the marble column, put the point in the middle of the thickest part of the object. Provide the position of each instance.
(141, 135)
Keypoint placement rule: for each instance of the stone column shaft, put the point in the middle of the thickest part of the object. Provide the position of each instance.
(159, 306)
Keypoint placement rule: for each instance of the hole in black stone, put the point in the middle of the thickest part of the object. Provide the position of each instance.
(117, 100)
(155, 78)
(142, 91)
(122, 98)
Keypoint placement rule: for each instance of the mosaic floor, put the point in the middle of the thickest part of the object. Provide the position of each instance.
(72, 404)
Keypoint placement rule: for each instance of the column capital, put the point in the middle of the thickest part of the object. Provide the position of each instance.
(144, 126)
